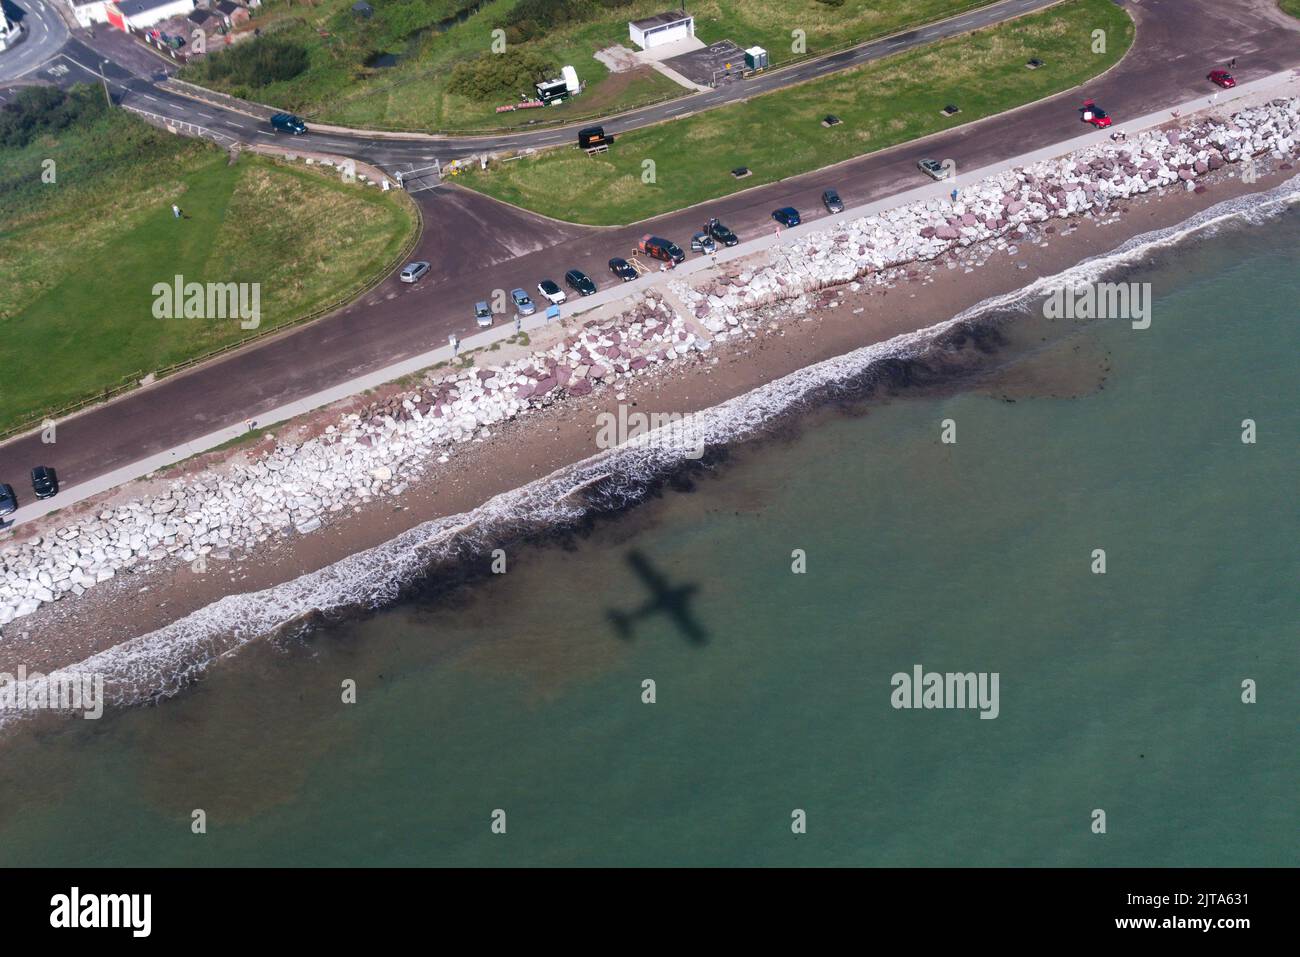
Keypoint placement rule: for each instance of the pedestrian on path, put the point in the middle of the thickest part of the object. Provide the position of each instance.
(455, 343)
(1232, 63)
(954, 195)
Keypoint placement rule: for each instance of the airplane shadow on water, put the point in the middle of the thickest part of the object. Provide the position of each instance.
(671, 601)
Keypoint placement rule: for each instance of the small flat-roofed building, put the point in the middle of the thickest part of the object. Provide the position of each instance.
(661, 29)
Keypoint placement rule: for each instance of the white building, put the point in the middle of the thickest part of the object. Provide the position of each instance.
(139, 14)
(661, 29)
(89, 12)
(10, 31)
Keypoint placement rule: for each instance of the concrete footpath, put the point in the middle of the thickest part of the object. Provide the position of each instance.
(611, 300)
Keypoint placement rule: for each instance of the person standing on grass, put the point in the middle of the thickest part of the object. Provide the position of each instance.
(176, 211)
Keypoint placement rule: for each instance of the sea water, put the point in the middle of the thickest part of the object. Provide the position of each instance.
(513, 722)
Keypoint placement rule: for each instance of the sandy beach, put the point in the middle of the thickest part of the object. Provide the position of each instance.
(537, 444)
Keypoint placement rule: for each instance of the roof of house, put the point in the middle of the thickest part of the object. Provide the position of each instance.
(661, 20)
(227, 6)
(131, 7)
(201, 16)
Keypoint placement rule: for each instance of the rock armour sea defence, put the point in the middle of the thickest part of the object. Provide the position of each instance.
(297, 488)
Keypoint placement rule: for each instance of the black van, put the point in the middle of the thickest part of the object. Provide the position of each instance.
(593, 137)
(288, 123)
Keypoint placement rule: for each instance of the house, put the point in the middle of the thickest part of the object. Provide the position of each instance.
(363, 9)
(661, 29)
(11, 31)
(204, 20)
(89, 12)
(129, 15)
(231, 13)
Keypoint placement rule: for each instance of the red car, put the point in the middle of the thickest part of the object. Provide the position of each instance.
(1090, 112)
(1222, 78)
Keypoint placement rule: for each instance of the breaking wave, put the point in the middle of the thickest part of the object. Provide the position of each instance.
(163, 662)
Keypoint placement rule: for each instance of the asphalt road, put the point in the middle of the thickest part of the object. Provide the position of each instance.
(478, 245)
(44, 34)
(134, 82)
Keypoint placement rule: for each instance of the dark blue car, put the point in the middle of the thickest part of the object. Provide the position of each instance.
(787, 216)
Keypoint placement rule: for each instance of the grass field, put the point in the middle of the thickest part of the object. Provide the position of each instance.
(780, 134)
(1291, 6)
(340, 87)
(79, 257)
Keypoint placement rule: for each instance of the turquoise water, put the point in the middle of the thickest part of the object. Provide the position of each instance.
(1118, 691)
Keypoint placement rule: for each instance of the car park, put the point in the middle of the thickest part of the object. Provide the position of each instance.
(1090, 112)
(1221, 78)
(288, 123)
(412, 272)
(482, 314)
(831, 200)
(44, 482)
(579, 282)
(552, 292)
(623, 269)
(787, 216)
(721, 233)
(703, 243)
(932, 168)
(523, 303)
(8, 500)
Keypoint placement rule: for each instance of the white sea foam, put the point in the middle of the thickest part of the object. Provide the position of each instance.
(162, 662)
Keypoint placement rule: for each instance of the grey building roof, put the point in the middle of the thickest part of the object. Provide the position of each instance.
(661, 20)
(132, 7)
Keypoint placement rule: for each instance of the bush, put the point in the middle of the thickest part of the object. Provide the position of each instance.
(37, 110)
(491, 76)
(257, 63)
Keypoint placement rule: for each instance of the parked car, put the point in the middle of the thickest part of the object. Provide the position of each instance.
(665, 250)
(1221, 78)
(787, 216)
(932, 168)
(622, 269)
(44, 482)
(831, 200)
(552, 291)
(523, 304)
(703, 243)
(579, 283)
(721, 233)
(8, 500)
(1090, 112)
(412, 272)
(288, 123)
(482, 314)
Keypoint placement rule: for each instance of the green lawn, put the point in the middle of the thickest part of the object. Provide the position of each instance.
(1291, 6)
(79, 258)
(342, 86)
(779, 135)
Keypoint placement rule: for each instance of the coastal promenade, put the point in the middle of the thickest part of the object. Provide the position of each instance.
(614, 299)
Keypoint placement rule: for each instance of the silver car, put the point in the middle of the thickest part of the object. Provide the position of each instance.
(932, 168)
(482, 314)
(523, 305)
(412, 272)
